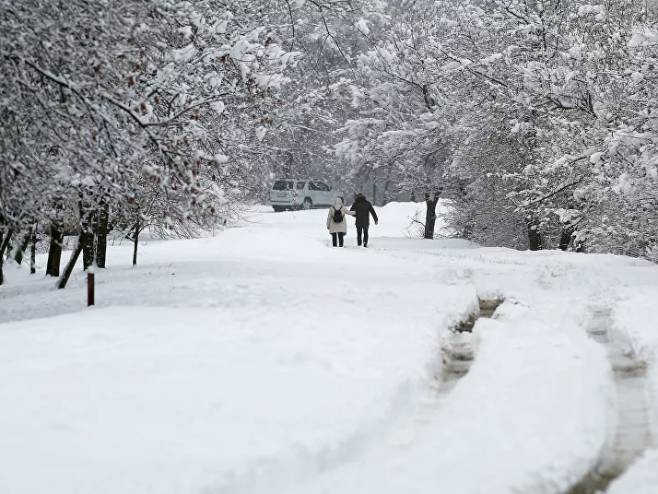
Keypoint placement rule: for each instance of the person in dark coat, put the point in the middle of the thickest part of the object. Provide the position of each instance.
(363, 210)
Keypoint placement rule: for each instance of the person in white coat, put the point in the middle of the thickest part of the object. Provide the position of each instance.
(337, 222)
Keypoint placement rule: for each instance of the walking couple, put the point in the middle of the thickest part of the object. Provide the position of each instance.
(337, 226)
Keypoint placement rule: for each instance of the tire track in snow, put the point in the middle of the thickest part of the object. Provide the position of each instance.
(458, 349)
(631, 434)
(457, 355)
(298, 465)
(302, 465)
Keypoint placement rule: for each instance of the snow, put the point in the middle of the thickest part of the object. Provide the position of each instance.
(260, 132)
(208, 394)
(362, 26)
(645, 37)
(496, 421)
(263, 360)
(218, 106)
(634, 316)
(591, 10)
(641, 478)
(184, 54)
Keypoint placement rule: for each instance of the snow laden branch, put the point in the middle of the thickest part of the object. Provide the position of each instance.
(147, 116)
(501, 95)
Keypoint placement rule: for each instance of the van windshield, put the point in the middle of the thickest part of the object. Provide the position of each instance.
(282, 185)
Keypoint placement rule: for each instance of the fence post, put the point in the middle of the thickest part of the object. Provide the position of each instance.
(90, 288)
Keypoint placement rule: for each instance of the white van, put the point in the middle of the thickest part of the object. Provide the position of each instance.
(290, 193)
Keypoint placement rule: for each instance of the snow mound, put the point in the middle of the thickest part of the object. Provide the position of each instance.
(406, 219)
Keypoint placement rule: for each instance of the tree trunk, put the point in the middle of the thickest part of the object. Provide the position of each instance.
(135, 243)
(5, 243)
(387, 194)
(430, 215)
(3, 247)
(101, 236)
(86, 233)
(68, 269)
(534, 236)
(467, 231)
(565, 237)
(87, 244)
(55, 249)
(33, 252)
(22, 247)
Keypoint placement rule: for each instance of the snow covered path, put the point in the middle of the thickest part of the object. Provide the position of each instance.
(262, 360)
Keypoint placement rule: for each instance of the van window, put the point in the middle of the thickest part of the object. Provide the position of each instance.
(319, 186)
(300, 185)
(282, 185)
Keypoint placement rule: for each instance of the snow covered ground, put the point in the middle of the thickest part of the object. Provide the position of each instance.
(264, 361)
(635, 316)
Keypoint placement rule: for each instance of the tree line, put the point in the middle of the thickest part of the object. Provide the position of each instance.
(535, 117)
(122, 115)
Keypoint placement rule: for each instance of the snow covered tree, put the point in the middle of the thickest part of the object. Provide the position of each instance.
(545, 108)
(118, 110)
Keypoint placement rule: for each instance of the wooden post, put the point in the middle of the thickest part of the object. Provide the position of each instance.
(33, 251)
(135, 242)
(90, 288)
